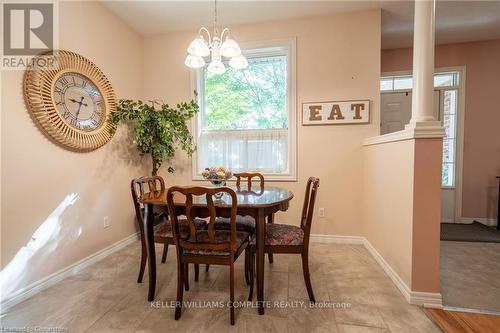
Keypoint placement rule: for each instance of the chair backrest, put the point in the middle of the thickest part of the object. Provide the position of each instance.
(192, 211)
(143, 185)
(308, 207)
(249, 176)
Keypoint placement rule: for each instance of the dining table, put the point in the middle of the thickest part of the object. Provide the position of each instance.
(259, 204)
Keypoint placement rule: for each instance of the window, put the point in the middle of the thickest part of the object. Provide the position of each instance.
(450, 98)
(447, 83)
(247, 117)
(405, 82)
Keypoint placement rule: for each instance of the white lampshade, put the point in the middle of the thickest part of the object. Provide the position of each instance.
(238, 62)
(216, 67)
(198, 47)
(230, 48)
(194, 61)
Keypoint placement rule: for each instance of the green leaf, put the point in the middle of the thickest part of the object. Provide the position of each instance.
(157, 132)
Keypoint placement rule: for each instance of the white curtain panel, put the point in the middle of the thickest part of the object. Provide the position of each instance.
(244, 150)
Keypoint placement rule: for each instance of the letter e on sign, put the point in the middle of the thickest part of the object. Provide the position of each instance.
(314, 111)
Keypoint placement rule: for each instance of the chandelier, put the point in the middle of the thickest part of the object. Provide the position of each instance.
(216, 46)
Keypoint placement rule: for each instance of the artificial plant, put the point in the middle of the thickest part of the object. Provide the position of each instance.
(159, 129)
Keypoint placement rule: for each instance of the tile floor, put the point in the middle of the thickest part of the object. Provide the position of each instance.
(106, 298)
(470, 275)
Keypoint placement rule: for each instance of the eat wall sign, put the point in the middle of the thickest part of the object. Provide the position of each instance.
(334, 113)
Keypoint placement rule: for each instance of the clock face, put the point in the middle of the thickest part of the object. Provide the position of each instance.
(78, 101)
(70, 101)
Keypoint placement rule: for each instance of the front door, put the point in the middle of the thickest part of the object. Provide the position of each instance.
(395, 110)
(395, 113)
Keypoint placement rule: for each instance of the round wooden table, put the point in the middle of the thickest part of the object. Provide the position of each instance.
(256, 203)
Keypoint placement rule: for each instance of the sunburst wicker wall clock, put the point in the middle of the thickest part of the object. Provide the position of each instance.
(71, 101)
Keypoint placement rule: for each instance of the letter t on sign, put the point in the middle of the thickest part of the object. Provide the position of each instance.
(357, 108)
(314, 112)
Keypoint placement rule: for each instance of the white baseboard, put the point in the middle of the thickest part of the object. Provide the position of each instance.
(337, 239)
(428, 300)
(482, 220)
(36, 287)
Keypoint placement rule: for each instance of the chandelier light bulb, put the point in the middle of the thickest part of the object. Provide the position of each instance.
(193, 61)
(238, 62)
(198, 47)
(230, 48)
(216, 67)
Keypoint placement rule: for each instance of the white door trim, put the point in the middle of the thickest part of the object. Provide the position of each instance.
(460, 144)
(460, 129)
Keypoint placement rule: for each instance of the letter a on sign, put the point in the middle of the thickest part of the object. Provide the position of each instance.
(334, 113)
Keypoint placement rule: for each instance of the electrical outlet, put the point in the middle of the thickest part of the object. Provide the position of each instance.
(321, 212)
(106, 222)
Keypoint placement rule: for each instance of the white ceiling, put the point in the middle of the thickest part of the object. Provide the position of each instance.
(456, 21)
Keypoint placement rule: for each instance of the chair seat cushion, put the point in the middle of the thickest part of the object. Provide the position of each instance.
(221, 236)
(282, 235)
(243, 223)
(164, 229)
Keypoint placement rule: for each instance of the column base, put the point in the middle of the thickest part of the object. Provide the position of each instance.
(425, 129)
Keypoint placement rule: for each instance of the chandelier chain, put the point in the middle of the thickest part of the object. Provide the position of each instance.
(215, 18)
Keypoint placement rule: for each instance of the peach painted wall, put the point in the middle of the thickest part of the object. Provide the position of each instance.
(388, 203)
(38, 176)
(426, 215)
(401, 208)
(338, 58)
(481, 159)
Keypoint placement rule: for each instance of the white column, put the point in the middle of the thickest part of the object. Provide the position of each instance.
(423, 64)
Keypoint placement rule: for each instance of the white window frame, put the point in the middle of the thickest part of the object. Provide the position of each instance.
(279, 46)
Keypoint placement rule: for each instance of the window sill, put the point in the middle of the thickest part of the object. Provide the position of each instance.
(268, 178)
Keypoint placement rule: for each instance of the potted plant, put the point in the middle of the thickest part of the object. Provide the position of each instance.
(158, 128)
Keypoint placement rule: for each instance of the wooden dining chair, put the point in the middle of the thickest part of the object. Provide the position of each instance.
(205, 246)
(162, 228)
(243, 223)
(249, 176)
(246, 223)
(284, 238)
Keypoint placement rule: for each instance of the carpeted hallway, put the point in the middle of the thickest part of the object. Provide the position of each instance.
(470, 275)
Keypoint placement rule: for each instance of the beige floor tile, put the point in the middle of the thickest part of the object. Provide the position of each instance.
(271, 324)
(314, 319)
(126, 315)
(360, 314)
(105, 297)
(360, 329)
(407, 319)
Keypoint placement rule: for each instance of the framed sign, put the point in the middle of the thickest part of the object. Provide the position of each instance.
(336, 113)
